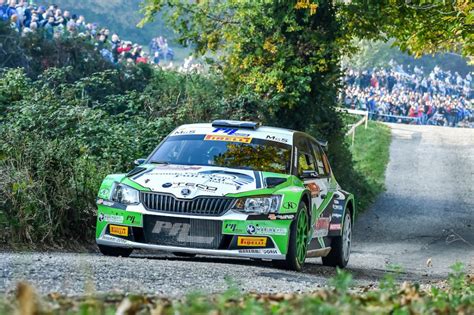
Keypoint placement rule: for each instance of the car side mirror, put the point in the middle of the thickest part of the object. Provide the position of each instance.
(138, 162)
(309, 174)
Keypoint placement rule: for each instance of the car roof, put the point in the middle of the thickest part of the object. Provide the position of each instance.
(268, 129)
(281, 135)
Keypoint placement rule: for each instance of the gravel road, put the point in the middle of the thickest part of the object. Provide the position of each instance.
(427, 212)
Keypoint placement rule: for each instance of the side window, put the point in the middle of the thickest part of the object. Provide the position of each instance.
(306, 160)
(326, 164)
(321, 160)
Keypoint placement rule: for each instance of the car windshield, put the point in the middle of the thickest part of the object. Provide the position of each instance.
(249, 153)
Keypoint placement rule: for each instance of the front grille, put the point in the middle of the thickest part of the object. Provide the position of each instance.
(211, 206)
(182, 232)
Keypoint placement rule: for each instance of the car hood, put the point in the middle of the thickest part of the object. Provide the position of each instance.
(189, 181)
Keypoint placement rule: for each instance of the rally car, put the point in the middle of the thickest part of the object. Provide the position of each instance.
(230, 188)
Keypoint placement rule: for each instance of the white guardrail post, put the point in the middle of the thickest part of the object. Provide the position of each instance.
(365, 120)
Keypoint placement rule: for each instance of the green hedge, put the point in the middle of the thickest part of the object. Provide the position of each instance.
(67, 119)
(60, 139)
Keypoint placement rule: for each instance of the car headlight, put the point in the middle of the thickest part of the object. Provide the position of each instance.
(125, 194)
(258, 204)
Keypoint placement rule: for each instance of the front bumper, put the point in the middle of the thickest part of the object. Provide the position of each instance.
(272, 254)
(232, 234)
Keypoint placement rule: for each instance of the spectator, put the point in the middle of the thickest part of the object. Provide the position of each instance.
(399, 95)
(54, 23)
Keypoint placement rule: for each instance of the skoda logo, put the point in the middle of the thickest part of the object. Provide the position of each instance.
(185, 192)
(250, 229)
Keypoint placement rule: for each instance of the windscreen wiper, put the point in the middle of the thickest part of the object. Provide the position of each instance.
(159, 162)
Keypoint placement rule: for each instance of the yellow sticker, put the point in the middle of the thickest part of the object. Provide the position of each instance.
(228, 138)
(119, 230)
(251, 241)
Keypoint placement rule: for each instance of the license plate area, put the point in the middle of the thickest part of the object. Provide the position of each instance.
(183, 232)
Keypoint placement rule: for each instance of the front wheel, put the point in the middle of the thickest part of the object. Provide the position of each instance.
(340, 246)
(115, 251)
(298, 243)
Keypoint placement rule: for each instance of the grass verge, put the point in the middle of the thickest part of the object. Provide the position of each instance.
(371, 155)
(453, 296)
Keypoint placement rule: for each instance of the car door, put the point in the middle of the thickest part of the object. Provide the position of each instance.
(324, 176)
(306, 162)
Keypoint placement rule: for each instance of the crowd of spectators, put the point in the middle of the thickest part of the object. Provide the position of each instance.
(26, 17)
(409, 95)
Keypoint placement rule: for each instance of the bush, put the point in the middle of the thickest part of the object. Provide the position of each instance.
(61, 136)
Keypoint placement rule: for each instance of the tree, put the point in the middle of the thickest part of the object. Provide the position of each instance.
(287, 52)
(418, 27)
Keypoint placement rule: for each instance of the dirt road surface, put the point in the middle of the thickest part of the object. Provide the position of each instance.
(427, 213)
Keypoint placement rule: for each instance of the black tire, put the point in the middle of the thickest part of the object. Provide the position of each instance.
(338, 257)
(292, 262)
(115, 251)
(184, 255)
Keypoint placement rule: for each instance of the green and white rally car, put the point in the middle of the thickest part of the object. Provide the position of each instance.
(230, 188)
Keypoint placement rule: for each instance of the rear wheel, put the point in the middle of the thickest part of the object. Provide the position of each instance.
(340, 245)
(298, 243)
(115, 251)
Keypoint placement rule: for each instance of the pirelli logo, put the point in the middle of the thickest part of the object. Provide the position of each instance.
(251, 241)
(119, 230)
(228, 138)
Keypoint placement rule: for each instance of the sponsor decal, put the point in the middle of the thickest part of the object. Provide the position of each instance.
(321, 227)
(260, 227)
(251, 241)
(270, 252)
(184, 132)
(228, 138)
(273, 216)
(278, 139)
(336, 215)
(198, 186)
(130, 218)
(337, 207)
(230, 226)
(230, 132)
(110, 218)
(263, 230)
(205, 187)
(172, 167)
(289, 205)
(336, 202)
(251, 229)
(229, 178)
(335, 227)
(181, 230)
(259, 251)
(118, 230)
(113, 239)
